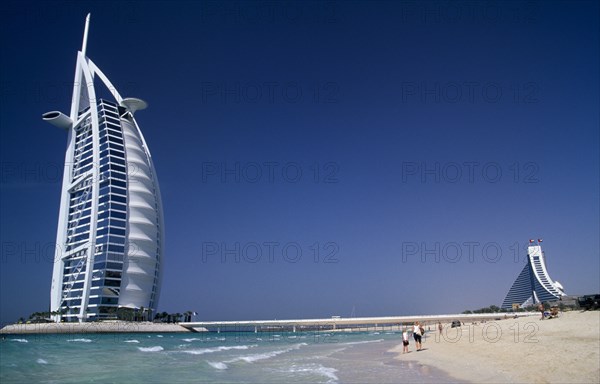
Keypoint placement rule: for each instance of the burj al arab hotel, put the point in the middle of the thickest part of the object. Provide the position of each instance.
(110, 233)
(533, 285)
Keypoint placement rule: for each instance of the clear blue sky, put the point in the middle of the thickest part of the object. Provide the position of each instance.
(377, 132)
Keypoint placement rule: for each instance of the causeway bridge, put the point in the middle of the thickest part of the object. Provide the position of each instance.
(337, 323)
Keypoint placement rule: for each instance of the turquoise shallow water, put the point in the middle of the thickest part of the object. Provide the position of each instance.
(266, 357)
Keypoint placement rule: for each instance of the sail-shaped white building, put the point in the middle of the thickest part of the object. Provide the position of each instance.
(533, 285)
(110, 235)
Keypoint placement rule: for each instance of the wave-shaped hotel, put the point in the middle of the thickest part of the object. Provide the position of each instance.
(110, 228)
(533, 285)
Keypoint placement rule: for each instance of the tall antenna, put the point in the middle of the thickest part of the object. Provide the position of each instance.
(85, 34)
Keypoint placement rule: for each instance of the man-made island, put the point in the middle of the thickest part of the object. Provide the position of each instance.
(92, 327)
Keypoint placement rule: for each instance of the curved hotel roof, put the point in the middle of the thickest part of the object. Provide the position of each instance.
(110, 235)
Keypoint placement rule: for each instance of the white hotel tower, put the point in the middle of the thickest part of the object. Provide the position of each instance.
(533, 285)
(109, 240)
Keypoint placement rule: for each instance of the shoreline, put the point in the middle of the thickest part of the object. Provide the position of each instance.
(92, 327)
(374, 363)
(561, 350)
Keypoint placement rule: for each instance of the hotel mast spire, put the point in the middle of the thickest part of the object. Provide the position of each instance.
(85, 34)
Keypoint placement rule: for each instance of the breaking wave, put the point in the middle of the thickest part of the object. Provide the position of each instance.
(157, 348)
(217, 349)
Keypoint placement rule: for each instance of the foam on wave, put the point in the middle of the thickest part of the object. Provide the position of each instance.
(217, 349)
(157, 348)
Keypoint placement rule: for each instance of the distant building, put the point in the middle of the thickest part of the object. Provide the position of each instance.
(110, 233)
(534, 284)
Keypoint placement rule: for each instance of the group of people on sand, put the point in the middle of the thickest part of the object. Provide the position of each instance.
(418, 331)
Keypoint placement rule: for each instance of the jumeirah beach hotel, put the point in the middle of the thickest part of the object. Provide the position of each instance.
(110, 233)
(533, 285)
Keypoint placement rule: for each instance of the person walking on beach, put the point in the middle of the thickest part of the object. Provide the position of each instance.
(541, 309)
(405, 341)
(440, 327)
(417, 335)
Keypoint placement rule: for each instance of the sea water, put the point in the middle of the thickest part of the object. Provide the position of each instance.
(237, 357)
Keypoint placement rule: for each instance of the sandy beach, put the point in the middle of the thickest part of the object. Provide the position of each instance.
(94, 327)
(523, 350)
